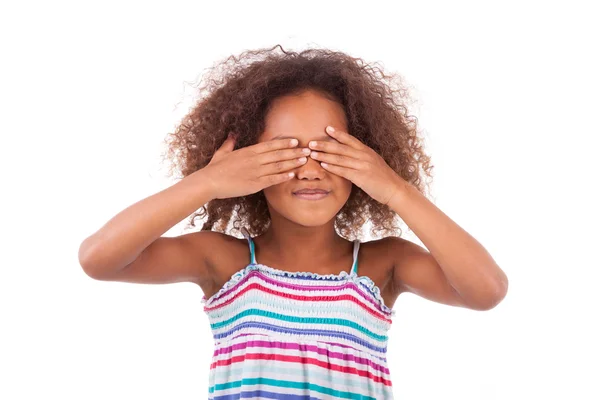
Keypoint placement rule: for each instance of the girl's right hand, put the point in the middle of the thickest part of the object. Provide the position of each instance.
(235, 173)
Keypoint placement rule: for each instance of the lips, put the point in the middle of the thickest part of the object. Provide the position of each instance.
(311, 194)
(311, 191)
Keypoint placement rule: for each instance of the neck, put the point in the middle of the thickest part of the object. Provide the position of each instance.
(295, 245)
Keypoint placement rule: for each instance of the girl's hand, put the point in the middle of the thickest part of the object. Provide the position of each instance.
(353, 160)
(250, 169)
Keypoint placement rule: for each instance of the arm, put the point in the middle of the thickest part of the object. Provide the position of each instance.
(129, 247)
(457, 270)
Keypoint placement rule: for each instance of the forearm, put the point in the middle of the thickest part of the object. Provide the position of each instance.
(127, 234)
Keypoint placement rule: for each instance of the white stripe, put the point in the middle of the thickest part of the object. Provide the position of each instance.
(330, 348)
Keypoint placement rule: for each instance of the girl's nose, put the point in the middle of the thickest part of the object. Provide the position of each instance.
(310, 170)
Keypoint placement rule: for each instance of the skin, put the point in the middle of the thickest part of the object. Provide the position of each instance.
(453, 269)
(301, 236)
(302, 231)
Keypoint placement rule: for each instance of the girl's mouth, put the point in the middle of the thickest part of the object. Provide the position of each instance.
(311, 194)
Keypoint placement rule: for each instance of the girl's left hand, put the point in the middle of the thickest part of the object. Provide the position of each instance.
(353, 160)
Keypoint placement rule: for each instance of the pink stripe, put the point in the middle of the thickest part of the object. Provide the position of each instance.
(345, 346)
(300, 360)
(301, 347)
(300, 287)
(304, 298)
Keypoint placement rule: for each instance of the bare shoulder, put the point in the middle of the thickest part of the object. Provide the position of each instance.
(219, 247)
(224, 255)
(388, 254)
(383, 249)
(375, 261)
(397, 250)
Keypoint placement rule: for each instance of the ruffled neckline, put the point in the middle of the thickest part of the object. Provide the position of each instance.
(239, 275)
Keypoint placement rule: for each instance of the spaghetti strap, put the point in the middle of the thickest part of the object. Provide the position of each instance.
(353, 270)
(250, 244)
(355, 257)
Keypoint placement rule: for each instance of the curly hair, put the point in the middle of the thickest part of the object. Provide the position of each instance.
(235, 97)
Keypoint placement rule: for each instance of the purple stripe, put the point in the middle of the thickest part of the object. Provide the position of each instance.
(384, 359)
(275, 328)
(263, 394)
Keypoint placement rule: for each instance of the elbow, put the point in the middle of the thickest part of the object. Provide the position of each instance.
(83, 257)
(494, 296)
(85, 262)
(88, 263)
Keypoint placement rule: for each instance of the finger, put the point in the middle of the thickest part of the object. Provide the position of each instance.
(271, 145)
(344, 137)
(335, 148)
(282, 154)
(270, 180)
(281, 166)
(336, 159)
(228, 145)
(340, 171)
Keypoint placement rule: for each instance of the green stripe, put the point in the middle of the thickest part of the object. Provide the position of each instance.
(251, 250)
(356, 314)
(350, 381)
(306, 320)
(290, 384)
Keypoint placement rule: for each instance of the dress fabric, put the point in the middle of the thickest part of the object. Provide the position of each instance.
(298, 335)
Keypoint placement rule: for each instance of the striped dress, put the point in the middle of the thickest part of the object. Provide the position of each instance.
(298, 335)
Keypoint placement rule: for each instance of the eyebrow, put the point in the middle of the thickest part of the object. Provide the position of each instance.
(326, 137)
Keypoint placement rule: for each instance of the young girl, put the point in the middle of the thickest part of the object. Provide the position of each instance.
(297, 151)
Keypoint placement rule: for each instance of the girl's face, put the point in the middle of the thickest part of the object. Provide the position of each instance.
(305, 117)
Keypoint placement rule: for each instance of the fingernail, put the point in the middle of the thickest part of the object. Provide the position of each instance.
(330, 129)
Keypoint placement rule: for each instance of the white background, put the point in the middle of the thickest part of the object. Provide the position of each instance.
(507, 97)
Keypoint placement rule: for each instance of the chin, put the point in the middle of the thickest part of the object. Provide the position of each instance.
(309, 218)
(310, 222)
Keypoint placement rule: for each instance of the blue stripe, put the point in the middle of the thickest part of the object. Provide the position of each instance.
(338, 307)
(275, 328)
(305, 320)
(285, 384)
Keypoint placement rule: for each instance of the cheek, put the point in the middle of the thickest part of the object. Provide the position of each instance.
(344, 184)
(272, 193)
